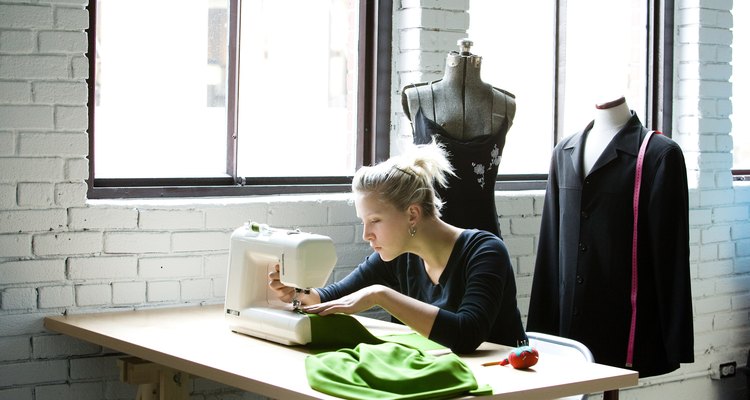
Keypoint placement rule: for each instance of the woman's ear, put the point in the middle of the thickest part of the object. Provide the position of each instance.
(415, 213)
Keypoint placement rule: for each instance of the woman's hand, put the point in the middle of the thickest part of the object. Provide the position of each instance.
(359, 301)
(286, 293)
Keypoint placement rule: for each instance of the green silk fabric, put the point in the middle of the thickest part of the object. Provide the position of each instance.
(364, 366)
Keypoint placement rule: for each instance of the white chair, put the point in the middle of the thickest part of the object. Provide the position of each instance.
(568, 348)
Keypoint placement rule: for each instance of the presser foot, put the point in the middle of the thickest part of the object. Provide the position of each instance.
(297, 303)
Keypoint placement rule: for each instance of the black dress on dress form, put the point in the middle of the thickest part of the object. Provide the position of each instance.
(469, 199)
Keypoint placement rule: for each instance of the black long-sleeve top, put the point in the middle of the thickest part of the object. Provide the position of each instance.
(476, 292)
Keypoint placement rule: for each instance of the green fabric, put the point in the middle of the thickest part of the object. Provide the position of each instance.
(337, 331)
(350, 362)
(390, 371)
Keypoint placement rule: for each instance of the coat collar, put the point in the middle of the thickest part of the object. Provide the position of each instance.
(627, 141)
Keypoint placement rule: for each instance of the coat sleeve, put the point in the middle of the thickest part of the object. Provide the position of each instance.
(544, 315)
(668, 236)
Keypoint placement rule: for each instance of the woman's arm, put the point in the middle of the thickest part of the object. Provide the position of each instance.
(418, 315)
(287, 294)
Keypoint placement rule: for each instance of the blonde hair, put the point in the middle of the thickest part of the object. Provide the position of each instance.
(409, 178)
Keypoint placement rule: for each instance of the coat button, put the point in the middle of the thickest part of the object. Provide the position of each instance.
(584, 215)
(582, 246)
(579, 279)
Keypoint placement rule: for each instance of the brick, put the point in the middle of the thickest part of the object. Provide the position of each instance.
(25, 16)
(128, 292)
(67, 243)
(200, 241)
(33, 372)
(39, 194)
(71, 118)
(34, 67)
(53, 144)
(135, 242)
(18, 299)
(22, 393)
(56, 346)
(103, 218)
(20, 324)
(219, 287)
(233, 216)
(729, 214)
(163, 291)
(525, 225)
(76, 169)
(715, 269)
(170, 219)
(342, 212)
(31, 271)
(80, 68)
(31, 169)
(26, 116)
(56, 296)
(69, 93)
(715, 233)
(14, 92)
(712, 305)
(94, 368)
(195, 289)
(15, 245)
(293, 214)
(7, 144)
(216, 264)
(71, 194)
(71, 18)
(62, 42)
(15, 348)
(71, 391)
(164, 267)
(104, 267)
(93, 295)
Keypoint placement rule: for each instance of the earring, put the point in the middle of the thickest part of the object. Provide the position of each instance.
(412, 231)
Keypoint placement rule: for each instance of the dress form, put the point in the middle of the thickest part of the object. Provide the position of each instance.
(464, 105)
(470, 118)
(609, 118)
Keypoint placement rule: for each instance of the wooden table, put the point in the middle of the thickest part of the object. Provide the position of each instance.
(197, 341)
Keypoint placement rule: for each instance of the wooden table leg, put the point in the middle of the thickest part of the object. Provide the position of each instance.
(155, 382)
(612, 394)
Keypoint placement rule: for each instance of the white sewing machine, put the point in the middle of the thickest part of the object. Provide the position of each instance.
(305, 261)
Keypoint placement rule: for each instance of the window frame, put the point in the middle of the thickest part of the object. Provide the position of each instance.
(373, 115)
(374, 110)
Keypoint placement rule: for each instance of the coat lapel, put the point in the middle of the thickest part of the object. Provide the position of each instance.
(626, 141)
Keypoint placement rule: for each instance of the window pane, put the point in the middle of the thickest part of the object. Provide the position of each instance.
(518, 56)
(740, 85)
(297, 93)
(161, 89)
(605, 58)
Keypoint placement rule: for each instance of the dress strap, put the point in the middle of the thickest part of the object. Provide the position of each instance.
(434, 113)
(416, 89)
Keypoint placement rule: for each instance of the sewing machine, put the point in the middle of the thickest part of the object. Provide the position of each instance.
(305, 261)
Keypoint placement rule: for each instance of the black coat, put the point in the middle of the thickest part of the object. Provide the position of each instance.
(582, 277)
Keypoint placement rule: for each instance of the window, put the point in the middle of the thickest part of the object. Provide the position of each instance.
(253, 94)
(740, 89)
(559, 58)
(282, 96)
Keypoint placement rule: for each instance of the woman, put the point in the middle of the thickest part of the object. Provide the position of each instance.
(454, 286)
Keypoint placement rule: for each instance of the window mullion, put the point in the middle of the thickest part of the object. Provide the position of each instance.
(232, 87)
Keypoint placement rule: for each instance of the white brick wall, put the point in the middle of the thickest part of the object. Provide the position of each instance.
(61, 253)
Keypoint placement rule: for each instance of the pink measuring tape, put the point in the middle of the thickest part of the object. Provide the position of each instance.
(634, 277)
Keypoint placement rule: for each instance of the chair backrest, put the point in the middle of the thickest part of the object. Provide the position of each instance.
(568, 348)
